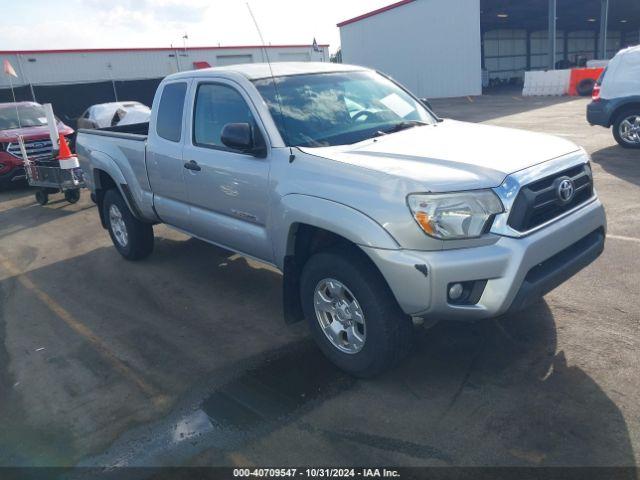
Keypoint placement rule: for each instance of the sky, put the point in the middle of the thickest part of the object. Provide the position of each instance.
(46, 25)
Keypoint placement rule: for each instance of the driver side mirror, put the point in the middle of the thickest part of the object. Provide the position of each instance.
(240, 136)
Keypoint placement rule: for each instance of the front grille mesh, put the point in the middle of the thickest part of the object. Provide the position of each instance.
(538, 202)
(34, 148)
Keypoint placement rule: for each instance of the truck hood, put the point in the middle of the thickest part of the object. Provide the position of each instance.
(451, 155)
(32, 133)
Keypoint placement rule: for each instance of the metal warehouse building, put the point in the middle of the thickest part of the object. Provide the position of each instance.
(72, 80)
(448, 48)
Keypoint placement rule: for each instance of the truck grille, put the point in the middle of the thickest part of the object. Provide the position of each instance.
(539, 202)
(35, 148)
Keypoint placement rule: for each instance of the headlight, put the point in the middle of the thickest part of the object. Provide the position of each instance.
(450, 216)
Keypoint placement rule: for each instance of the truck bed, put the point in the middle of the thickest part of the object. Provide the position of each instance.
(118, 151)
(134, 131)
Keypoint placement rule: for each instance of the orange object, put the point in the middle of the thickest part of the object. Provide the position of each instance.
(425, 223)
(578, 75)
(67, 160)
(65, 152)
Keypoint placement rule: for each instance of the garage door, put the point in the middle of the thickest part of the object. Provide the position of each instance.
(294, 57)
(233, 59)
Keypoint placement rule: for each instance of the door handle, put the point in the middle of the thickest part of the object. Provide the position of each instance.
(192, 165)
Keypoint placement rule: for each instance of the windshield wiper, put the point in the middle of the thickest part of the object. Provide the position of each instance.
(401, 126)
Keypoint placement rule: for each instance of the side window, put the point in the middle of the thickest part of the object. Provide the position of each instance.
(169, 122)
(217, 105)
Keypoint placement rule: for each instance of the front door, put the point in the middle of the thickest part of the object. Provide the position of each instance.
(227, 189)
(164, 157)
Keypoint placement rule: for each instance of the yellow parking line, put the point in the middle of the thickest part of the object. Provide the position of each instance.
(626, 239)
(149, 390)
(470, 99)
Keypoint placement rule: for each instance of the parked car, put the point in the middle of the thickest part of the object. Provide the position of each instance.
(373, 217)
(616, 98)
(115, 113)
(29, 120)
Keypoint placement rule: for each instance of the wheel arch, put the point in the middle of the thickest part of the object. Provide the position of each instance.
(309, 224)
(103, 181)
(635, 104)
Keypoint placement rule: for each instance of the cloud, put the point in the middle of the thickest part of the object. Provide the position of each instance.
(126, 11)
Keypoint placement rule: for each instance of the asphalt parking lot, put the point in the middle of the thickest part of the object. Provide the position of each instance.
(183, 359)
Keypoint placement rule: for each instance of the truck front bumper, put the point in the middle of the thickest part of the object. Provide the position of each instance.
(517, 271)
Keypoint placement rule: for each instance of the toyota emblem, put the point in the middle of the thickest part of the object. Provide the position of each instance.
(565, 190)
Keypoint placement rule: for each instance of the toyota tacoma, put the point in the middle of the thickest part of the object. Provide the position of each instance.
(373, 208)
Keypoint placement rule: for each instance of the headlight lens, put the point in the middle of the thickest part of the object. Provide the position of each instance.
(450, 216)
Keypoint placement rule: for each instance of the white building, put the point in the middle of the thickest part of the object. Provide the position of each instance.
(439, 48)
(57, 67)
(430, 46)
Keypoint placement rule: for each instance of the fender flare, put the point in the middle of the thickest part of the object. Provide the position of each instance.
(101, 162)
(334, 217)
(329, 215)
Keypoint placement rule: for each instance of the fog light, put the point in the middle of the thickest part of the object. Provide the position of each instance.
(465, 293)
(455, 291)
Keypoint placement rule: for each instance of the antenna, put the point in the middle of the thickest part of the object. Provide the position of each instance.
(273, 80)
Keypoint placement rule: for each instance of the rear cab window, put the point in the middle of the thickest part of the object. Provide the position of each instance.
(170, 110)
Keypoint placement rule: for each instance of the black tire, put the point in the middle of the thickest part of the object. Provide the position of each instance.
(585, 87)
(42, 197)
(139, 235)
(72, 196)
(626, 113)
(389, 331)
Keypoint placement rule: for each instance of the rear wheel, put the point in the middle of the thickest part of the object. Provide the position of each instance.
(42, 197)
(626, 128)
(131, 237)
(353, 316)
(72, 196)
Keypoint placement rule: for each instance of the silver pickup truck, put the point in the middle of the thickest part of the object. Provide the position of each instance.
(373, 208)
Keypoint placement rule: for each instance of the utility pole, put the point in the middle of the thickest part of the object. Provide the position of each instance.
(113, 82)
(604, 22)
(553, 7)
(26, 77)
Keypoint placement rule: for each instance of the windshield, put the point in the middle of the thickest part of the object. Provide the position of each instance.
(319, 110)
(31, 115)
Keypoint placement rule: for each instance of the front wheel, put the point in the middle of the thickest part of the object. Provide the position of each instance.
(354, 317)
(132, 238)
(626, 128)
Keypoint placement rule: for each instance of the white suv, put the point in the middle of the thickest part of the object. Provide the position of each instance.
(616, 98)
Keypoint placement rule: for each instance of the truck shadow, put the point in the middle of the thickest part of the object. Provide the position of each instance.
(24, 217)
(621, 162)
(204, 328)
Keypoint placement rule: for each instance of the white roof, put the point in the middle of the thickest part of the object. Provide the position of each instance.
(254, 71)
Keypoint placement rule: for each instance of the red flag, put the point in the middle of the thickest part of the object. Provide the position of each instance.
(8, 68)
